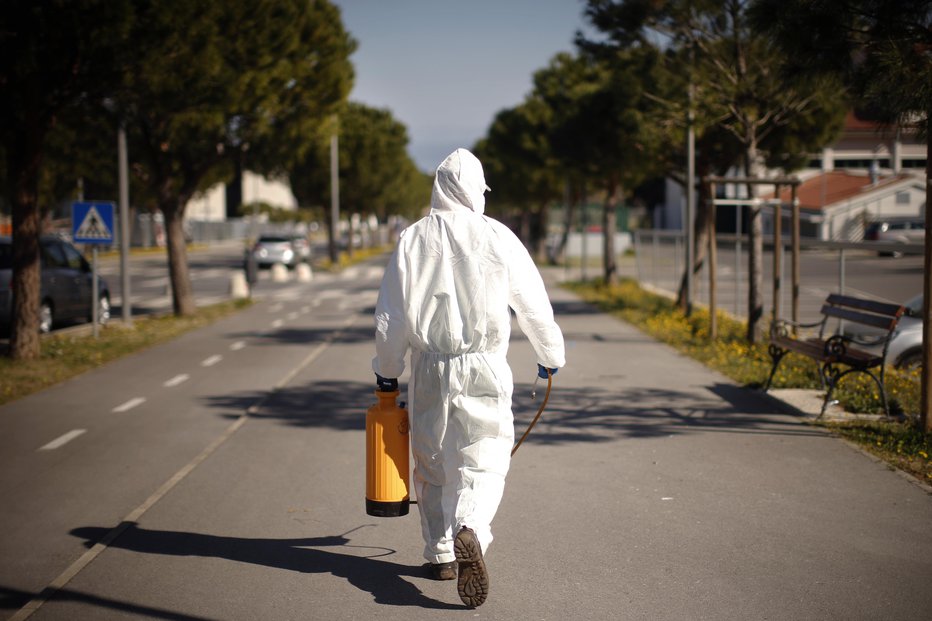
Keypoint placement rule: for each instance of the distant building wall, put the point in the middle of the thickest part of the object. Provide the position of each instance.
(211, 206)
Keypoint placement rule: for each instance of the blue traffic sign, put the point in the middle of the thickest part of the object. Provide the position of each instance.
(92, 223)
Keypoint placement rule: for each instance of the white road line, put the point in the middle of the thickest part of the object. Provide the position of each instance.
(178, 379)
(129, 405)
(277, 323)
(238, 345)
(292, 316)
(209, 362)
(63, 440)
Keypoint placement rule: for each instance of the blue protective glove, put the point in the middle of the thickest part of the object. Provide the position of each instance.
(542, 371)
(386, 384)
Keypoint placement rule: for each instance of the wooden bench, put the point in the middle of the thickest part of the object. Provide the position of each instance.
(839, 354)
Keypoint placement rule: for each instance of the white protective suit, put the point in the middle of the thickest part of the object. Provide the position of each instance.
(446, 294)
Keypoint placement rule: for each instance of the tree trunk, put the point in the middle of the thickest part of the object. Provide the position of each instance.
(524, 230)
(608, 231)
(23, 172)
(182, 294)
(351, 232)
(925, 402)
(755, 252)
(568, 222)
(540, 232)
(701, 229)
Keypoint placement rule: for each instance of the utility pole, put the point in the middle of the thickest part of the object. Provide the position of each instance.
(125, 302)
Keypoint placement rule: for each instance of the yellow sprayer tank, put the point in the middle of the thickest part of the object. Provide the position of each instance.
(387, 477)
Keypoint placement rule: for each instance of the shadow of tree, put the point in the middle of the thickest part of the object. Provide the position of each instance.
(366, 568)
(588, 414)
(310, 336)
(573, 307)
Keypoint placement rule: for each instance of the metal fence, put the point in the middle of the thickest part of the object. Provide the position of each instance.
(660, 261)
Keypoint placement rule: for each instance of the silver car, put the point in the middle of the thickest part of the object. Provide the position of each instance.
(271, 249)
(66, 285)
(905, 349)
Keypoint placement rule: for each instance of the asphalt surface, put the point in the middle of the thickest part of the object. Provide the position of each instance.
(652, 488)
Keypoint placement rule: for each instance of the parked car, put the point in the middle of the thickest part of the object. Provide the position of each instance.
(898, 230)
(905, 349)
(271, 249)
(66, 287)
(302, 248)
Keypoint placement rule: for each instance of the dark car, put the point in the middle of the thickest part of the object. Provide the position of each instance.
(66, 290)
(897, 230)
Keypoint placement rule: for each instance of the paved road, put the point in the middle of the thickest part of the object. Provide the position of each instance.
(210, 268)
(220, 476)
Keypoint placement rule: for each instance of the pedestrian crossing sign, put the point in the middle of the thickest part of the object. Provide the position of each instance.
(92, 223)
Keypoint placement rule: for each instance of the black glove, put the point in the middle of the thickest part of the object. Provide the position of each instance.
(542, 371)
(386, 384)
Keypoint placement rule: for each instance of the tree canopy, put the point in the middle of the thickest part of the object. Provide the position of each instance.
(213, 84)
(376, 174)
(740, 89)
(55, 52)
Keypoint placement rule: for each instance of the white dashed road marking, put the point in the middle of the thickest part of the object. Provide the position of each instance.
(238, 345)
(178, 379)
(63, 440)
(129, 405)
(209, 362)
(277, 323)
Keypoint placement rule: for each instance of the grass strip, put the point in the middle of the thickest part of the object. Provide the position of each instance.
(67, 355)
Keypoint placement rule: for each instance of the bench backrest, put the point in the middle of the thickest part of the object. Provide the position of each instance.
(866, 312)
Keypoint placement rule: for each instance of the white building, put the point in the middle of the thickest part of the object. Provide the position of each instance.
(210, 206)
(870, 172)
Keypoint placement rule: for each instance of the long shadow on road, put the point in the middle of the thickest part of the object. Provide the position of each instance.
(572, 415)
(362, 566)
(14, 599)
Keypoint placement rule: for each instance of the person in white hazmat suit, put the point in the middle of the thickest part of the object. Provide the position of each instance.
(446, 294)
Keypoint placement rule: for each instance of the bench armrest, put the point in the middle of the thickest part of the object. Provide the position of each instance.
(836, 345)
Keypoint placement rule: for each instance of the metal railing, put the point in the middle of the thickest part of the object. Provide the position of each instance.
(660, 263)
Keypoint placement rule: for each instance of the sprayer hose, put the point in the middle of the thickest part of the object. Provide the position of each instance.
(540, 411)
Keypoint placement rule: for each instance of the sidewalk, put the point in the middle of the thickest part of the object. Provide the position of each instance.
(695, 498)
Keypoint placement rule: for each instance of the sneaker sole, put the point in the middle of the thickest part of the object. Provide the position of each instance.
(473, 581)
